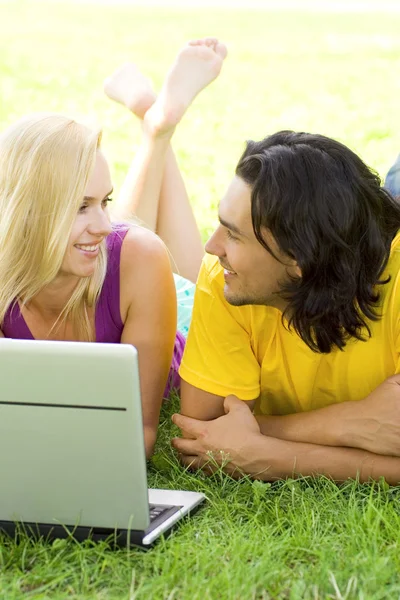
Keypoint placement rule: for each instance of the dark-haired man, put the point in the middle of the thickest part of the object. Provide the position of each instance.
(297, 317)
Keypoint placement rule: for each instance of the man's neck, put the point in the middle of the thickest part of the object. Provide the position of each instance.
(278, 302)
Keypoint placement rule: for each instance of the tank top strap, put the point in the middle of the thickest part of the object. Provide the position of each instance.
(109, 324)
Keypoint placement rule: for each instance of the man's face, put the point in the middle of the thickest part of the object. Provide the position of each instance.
(252, 275)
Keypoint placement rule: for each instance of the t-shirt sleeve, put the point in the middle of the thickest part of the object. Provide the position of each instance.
(393, 317)
(218, 356)
(397, 347)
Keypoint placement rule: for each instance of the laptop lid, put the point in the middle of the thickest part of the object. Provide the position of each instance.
(71, 435)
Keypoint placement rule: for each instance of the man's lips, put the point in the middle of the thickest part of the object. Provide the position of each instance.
(226, 270)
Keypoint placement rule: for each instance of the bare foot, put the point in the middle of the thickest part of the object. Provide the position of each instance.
(195, 67)
(128, 86)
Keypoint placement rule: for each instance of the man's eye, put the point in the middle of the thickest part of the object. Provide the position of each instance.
(230, 236)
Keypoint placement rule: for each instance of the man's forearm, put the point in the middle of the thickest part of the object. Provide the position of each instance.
(290, 459)
(372, 424)
(324, 426)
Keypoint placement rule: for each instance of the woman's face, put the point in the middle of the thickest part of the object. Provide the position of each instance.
(92, 223)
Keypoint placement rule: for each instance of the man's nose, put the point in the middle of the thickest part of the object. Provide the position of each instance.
(214, 245)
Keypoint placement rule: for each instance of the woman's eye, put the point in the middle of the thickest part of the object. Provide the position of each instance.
(82, 208)
(106, 201)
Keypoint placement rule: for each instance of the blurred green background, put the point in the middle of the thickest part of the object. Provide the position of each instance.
(327, 72)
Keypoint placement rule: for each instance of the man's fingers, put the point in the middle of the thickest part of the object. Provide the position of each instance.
(189, 426)
(233, 403)
(208, 466)
(198, 462)
(185, 446)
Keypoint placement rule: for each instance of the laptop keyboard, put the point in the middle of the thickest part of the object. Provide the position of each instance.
(159, 510)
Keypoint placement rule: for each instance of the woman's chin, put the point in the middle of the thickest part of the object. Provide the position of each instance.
(79, 271)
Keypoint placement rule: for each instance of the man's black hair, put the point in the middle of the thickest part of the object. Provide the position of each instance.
(327, 210)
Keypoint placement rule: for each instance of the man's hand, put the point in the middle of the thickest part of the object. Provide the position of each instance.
(227, 440)
(373, 424)
(236, 437)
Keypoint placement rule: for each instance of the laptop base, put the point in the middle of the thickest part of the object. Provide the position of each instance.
(117, 538)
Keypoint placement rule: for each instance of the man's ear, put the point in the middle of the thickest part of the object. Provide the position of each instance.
(293, 268)
(297, 270)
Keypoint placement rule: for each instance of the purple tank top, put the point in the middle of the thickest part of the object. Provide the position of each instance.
(108, 322)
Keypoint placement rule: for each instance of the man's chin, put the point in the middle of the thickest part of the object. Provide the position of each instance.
(235, 299)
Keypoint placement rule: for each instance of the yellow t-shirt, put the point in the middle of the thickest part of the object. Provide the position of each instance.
(246, 350)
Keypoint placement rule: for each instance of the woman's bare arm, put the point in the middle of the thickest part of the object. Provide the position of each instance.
(148, 309)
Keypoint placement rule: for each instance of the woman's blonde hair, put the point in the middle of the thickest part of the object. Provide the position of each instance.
(45, 163)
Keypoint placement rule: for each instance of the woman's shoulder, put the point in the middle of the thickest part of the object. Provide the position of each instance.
(130, 242)
(144, 265)
(141, 244)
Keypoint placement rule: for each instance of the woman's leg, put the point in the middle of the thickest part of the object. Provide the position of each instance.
(176, 224)
(163, 204)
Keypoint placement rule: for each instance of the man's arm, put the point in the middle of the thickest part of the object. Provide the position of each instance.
(202, 405)
(236, 437)
(291, 459)
(372, 424)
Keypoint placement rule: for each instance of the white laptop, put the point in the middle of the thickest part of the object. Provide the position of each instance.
(72, 458)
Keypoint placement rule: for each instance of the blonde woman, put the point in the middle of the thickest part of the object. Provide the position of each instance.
(66, 271)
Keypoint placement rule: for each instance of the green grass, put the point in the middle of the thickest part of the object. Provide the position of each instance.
(306, 539)
(336, 74)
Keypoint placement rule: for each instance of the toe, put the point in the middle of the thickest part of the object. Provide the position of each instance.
(195, 43)
(221, 50)
(211, 42)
